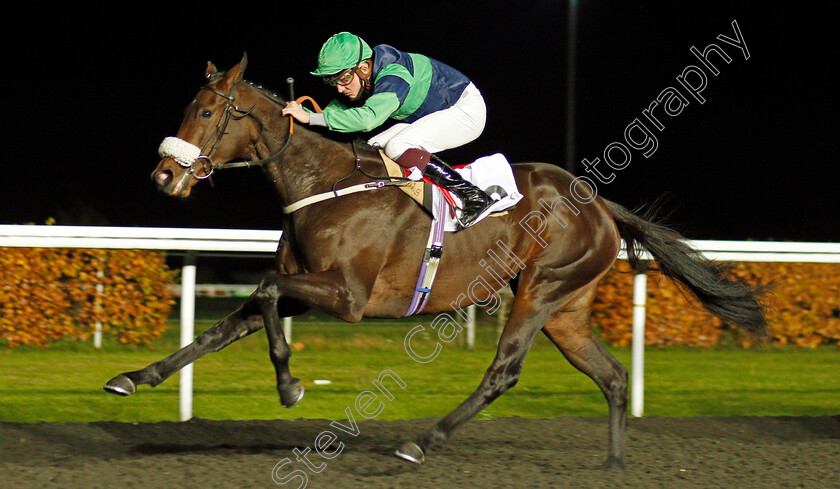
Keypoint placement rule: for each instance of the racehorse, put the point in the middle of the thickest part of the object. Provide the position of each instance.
(357, 256)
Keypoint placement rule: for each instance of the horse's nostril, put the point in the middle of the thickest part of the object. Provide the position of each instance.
(163, 177)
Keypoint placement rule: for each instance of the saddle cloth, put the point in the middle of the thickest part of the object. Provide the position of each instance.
(493, 174)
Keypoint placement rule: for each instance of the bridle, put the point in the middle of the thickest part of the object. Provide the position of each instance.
(231, 112)
(187, 154)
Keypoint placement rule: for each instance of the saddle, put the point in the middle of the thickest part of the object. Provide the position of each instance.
(493, 172)
(420, 191)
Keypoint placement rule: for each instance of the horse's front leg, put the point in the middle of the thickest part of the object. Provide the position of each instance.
(290, 388)
(242, 322)
(326, 291)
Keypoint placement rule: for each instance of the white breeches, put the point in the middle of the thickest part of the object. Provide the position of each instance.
(438, 131)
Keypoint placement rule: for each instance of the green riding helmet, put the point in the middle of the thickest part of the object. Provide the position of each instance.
(342, 51)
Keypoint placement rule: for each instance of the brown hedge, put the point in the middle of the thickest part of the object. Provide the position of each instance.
(804, 307)
(47, 294)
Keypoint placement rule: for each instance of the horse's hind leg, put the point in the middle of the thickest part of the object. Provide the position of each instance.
(242, 322)
(570, 331)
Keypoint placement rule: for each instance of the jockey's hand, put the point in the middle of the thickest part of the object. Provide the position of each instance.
(295, 110)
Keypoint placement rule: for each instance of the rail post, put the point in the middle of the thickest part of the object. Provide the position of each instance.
(287, 329)
(187, 332)
(637, 383)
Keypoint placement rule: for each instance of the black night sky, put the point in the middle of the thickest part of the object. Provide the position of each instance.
(90, 91)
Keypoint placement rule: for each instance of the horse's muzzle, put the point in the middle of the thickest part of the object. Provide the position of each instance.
(168, 183)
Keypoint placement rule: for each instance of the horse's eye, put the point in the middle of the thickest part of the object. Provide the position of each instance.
(205, 114)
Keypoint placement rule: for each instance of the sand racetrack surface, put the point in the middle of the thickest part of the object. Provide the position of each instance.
(741, 452)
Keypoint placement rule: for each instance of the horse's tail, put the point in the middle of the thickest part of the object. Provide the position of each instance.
(733, 301)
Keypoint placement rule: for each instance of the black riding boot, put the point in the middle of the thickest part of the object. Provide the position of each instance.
(475, 201)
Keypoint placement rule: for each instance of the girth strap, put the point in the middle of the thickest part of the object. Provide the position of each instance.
(431, 260)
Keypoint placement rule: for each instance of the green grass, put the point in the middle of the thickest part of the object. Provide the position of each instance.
(64, 383)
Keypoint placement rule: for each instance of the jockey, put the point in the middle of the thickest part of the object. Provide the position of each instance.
(437, 107)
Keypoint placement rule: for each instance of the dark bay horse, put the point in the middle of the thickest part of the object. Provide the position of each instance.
(358, 256)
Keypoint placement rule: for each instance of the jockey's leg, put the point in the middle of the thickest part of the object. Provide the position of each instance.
(445, 129)
(474, 201)
(411, 147)
(382, 139)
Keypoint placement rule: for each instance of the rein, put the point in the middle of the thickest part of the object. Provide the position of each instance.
(246, 163)
(220, 131)
(187, 154)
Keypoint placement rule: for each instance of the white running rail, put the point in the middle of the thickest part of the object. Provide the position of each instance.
(261, 241)
(192, 241)
(745, 251)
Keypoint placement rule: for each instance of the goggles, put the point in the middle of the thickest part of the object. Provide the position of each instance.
(343, 78)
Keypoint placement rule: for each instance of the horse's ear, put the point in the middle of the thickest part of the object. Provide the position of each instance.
(235, 74)
(211, 70)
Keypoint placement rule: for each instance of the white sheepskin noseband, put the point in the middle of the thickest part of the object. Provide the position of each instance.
(179, 150)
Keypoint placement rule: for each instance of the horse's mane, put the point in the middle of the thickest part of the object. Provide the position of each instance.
(265, 91)
(279, 100)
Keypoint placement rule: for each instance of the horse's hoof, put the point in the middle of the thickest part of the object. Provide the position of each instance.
(412, 452)
(292, 395)
(613, 463)
(121, 385)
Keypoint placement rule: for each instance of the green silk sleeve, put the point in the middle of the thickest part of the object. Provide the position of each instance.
(375, 111)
